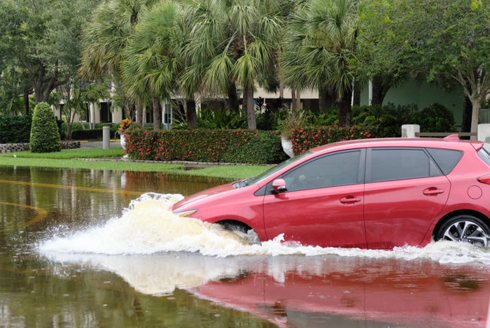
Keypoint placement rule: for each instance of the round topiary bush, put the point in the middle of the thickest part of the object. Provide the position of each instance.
(45, 136)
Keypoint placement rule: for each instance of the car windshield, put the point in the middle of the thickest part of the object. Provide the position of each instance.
(269, 172)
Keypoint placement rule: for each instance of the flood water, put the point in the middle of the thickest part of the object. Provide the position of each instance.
(82, 248)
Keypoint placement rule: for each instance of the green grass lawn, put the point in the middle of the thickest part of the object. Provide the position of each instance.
(64, 159)
(71, 153)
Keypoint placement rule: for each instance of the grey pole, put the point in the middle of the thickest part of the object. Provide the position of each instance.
(106, 137)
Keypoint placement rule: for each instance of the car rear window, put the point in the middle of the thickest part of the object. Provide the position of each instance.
(484, 155)
(446, 159)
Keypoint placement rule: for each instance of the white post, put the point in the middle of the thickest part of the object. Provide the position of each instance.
(409, 130)
(484, 135)
(106, 137)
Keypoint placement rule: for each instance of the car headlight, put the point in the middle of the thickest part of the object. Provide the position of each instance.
(185, 214)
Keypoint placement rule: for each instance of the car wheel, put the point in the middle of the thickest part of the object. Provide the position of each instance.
(465, 228)
(243, 231)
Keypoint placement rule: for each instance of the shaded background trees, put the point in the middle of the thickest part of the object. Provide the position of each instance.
(216, 48)
(442, 39)
(41, 44)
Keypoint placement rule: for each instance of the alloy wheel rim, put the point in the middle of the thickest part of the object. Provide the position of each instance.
(466, 231)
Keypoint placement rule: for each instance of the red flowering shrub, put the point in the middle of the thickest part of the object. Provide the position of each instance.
(232, 146)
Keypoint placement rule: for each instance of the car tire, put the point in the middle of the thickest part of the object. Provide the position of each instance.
(465, 228)
(243, 231)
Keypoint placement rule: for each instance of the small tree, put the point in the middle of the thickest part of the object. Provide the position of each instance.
(45, 137)
(447, 40)
(76, 97)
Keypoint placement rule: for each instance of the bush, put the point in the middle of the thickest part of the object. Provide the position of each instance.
(234, 146)
(91, 134)
(15, 129)
(304, 139)
(45, 136)
(221, 119)
(388, 118)
(435, 118)
(79, 134)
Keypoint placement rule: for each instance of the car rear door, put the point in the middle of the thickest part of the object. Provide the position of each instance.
(404, 192)
(323, 204)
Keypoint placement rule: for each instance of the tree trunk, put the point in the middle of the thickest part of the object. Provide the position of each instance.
(248, 103)
(322, 100)
(37, 94)
(233, 98)
(475, 114)
(68, 115)
(293, 99)
(191, 114)
(380, 89)
(345, 108)
(326, 99)
(357, 93)
(26, 103)
(157, 113)
(297, 101)
(69, 127)
(139, 113)
(467, 109)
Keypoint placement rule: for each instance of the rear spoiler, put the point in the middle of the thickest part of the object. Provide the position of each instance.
(452, 137)
(475, 143)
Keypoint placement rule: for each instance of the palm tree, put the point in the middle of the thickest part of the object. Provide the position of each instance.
(319, 49)
(105, 38)
(233, 42)
(152, 56)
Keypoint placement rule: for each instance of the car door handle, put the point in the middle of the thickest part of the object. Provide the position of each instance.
(350, 200)
(432, 191)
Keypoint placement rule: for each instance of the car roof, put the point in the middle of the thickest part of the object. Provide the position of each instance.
(450, 142)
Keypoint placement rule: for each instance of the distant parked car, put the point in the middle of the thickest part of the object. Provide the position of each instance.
(372, 193)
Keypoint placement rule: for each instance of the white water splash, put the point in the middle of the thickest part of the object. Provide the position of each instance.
(149, 227)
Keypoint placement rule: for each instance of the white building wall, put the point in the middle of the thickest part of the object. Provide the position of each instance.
(305, 94)
(117, 115)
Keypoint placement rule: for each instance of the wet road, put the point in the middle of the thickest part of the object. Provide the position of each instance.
(73, 255)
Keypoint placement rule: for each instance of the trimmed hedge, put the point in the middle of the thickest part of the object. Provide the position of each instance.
(90, 134)
(15, 129)
(231, 146)
(45, 136)
(227, 146)
(304, 139)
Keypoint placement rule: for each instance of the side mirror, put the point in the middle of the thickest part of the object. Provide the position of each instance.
(279, 186)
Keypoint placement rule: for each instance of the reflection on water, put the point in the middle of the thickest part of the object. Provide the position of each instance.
(95, 260)
(309, 291)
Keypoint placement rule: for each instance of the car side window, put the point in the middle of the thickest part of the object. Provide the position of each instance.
(400, 164)
(338, 169)
(446, 158)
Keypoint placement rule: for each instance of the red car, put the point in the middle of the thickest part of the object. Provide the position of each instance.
(371, 193)
(369, 293)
